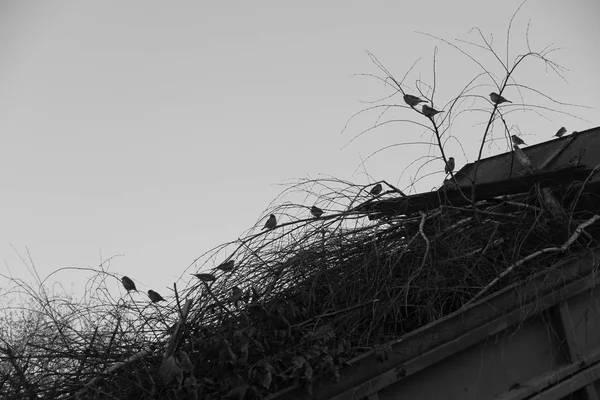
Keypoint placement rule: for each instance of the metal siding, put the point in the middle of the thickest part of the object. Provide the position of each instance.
(539, 339)
(484, 370)
(584, 321)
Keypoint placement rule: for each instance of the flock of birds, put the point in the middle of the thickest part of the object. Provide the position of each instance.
(228, 266)
(497, 99)
(129, 285)
(316, 212)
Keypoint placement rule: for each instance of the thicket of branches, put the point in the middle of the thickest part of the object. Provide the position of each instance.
(303, 299)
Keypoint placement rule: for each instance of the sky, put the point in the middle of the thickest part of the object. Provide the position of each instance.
(156, 131)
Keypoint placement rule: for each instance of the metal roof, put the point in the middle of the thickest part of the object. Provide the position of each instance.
(555, 163)
(575, 149)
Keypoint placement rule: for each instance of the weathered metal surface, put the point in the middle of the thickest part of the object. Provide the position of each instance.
(554, 163)
(430, 200)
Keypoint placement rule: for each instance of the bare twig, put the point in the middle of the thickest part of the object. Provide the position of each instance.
(564, 247)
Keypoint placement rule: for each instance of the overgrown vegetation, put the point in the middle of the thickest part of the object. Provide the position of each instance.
(304, 299)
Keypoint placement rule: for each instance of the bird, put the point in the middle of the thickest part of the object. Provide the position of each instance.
(497, 99)
(227, 266)
(128, 284)
(375, 190)
(271, 223)
(316, 211)
(155, 297)
(428, 111)
(205, 277)
(449, 166)
(517, 140)
(561, 132)
(413, 100)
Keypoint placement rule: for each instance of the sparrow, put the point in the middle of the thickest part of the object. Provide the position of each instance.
(271, 223)
(316, 211)
(561, 132)
(497, 99)
(413, 100)
(227, 266)
(155, 297)
(517, 140)
(128, 284)
(428, 111)
(375, 190)
(205, 277)
(449, 166)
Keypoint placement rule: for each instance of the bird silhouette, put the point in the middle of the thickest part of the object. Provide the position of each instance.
(561, 132)
(449, 166)
(428, 111)
(205, 277)
(497, 99)
(154, 296)
(375, 190)
(413, 100)
(128, 284)
(517, 140)
(316, 211)
(227, 266)
(271, 223)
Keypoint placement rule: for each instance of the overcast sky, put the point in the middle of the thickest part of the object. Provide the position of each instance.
(159, 130)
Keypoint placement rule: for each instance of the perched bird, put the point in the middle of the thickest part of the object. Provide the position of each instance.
(155, 297)
(449, 166)
(561, 132)
(517, 140)
(497, 99)
(271, 223)
(205, 277)
(413, 100)
(128, 284)
(375, 190)
(428, 111)
(227, 266)
(316, 211)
